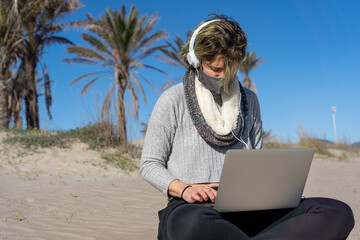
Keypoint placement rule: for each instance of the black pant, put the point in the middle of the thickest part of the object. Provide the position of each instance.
(314, 218)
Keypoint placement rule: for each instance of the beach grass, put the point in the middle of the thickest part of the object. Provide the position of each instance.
(323, 148)
(99, 137)
(121, 160)
(35, 139)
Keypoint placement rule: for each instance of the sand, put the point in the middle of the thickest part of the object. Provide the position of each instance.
(70, 194)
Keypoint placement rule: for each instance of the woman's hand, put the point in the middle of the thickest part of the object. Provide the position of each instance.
(199, 193)
(196, 192)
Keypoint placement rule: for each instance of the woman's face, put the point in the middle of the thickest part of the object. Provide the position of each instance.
(215, 67)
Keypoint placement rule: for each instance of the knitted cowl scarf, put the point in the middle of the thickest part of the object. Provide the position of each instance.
(212, 138)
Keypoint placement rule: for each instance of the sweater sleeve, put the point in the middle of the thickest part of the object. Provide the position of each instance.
(256, 137)
(158, 141)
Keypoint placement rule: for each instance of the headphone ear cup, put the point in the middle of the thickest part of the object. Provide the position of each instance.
(192, 59)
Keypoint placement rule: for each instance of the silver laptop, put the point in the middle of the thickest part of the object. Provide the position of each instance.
(263, 179)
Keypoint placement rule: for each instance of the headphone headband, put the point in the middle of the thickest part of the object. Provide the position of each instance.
(191, 57)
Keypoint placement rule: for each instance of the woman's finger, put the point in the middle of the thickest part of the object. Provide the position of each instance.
(203, 194)
(191, 195)
(196, 197)
(214, 192)
(199, 194)
(211, 194)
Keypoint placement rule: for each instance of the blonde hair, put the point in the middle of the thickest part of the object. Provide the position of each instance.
(220, 37)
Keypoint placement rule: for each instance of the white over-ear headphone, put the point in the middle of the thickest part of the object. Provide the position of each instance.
(191, 57)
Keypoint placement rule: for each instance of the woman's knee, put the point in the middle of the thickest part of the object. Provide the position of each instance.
(344, 213)
(337, 211)
(186, 220)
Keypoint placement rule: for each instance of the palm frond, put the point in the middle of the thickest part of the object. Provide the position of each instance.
(131, 113)
(155, 68)
(51, 28)
(150, 24)
(77, 24)
(168, 83)
(149, 51)
(134, 98)
(97, 43)
(86, 87)
(136, 80)
(90, 17)
(84, 76)
(41, 86)
(169, 61)
(56, 39)
(149, 41)
(107, 101)
(48, 96)
(148, 82)
(135, 64)
(79, 60)
(135, 37)
(85, 52)
(172, 56)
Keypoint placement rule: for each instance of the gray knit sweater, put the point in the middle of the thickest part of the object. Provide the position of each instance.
(173, 149)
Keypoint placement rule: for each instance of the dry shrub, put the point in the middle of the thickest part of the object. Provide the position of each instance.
(309, 140)
(272, 141)
(320, 146)
(276, 145)
(97, 136)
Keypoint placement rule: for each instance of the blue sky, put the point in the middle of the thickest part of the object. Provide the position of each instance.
(311, 50)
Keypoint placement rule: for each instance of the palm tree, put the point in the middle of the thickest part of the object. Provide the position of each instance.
(39, 28)
(121, 43)
(250, 62)
(10, 39)
(173, 57)
(17, 92)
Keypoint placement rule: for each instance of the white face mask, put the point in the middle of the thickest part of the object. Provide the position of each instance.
(213, 84)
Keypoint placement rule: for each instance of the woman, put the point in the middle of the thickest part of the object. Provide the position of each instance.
(192, 126)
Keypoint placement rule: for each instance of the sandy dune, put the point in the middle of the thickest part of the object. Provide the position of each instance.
(71, 194)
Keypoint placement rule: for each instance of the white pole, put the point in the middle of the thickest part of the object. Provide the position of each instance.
(333, 109)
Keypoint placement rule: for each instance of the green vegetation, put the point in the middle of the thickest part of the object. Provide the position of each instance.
(123, 160)
(74, 195)
(99, 137)
(34, 139)
(323, 148)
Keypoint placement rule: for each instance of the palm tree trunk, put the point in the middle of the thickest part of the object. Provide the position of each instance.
(121, 118)
(246, 82)
(31, 97)
(4, 109)
(16, 109)
(120, 111)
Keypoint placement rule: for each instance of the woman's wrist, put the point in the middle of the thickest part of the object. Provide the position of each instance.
(176, 187)
(182, 192)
